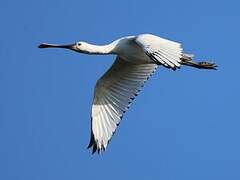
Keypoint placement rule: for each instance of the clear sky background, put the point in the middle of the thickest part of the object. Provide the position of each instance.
(183, 126)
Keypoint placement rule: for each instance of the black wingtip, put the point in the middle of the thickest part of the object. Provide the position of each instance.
(92, 143)
(94, 148)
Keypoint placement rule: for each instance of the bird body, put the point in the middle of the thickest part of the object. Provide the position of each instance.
(130, 51)
(137, 59)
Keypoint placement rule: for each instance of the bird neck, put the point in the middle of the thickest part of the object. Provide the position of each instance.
(99, 49)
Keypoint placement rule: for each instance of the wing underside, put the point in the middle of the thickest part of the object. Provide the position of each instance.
(114, 92)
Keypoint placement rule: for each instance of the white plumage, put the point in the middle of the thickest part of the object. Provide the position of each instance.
(137, 59)
(113, 94)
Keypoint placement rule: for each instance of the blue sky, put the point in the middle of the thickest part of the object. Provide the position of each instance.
(184, 125)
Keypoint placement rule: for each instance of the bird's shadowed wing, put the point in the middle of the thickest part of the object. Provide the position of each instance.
(161, 51)
(114, 92)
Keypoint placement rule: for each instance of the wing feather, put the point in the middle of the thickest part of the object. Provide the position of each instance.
(161, 51)
(114, 92)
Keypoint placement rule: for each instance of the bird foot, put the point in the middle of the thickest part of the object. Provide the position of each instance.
(207, 65)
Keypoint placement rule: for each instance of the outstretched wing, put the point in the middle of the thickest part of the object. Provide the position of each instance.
(161, 51)
(114, 92)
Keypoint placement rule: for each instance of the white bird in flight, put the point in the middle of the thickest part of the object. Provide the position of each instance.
(137, 59)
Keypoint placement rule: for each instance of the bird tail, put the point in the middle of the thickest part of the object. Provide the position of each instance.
(187, 59)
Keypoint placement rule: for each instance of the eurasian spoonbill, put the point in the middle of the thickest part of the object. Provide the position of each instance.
(137, 59)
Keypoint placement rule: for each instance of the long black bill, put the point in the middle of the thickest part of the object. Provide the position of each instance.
(45, 45)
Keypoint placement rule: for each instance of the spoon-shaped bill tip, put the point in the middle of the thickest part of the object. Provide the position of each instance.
(44, 45)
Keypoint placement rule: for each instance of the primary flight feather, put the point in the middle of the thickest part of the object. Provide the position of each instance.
(137, 59)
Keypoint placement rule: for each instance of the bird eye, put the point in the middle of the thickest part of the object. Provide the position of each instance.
(79, 44)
